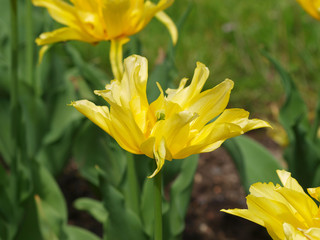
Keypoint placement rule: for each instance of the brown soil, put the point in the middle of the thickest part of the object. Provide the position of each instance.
(217, 186)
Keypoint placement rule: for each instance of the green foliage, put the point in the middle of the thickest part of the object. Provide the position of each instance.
(254, 162)
(302, 154)
(303, 151)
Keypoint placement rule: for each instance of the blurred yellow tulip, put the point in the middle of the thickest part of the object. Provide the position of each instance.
(312, 7)
(98, 20)
(287, 212)
(186, 121)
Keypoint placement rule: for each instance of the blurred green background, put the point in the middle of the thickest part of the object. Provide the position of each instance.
(228, 37)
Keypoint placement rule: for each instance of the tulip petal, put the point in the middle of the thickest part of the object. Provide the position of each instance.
(169, 24)
(303, 204)
(125, 130)
(97, 114)
(42, 51)
(244, 213)
(159, 153)
(240, 117)
(289, 182)
(208, 139)
(60, 11)
(312, 7)
(211, 103)
(292, 233)
(315, 193)
(184, 96)
(313, 233)
(61, 35)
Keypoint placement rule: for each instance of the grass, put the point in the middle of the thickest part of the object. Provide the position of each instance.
(228, 37)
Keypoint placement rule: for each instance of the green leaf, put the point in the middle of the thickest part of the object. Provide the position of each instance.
(302, 154)
(122, 223)
(92, 206)
(180, 193)
(93, 147)
(55, 155)
(294, 108)
(6, 141)
(62, 116)
(303, 157)
(147, 207)
(94, 76)
(316, 123)
(51, 206)
(76, 233)
(29, 227)
(254, 162)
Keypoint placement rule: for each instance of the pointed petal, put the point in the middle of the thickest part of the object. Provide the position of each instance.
(289, 182)
(125, 130)
(63, 34)
(209, 138)
(264, 209)
(42, 51)
(244, 213)
(302, 203)
(97, 114)
(184, 96)
(240, 117)
(151, 9)
(313, 233)
(211, 103)
(292, 233)
(315, 193)
(60, 11)
(160, 153)
(167, 21)
(312, 7)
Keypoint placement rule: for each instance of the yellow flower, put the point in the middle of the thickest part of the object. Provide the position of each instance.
(98, 20)
(312, 7)
(287, 212)
(186, 121)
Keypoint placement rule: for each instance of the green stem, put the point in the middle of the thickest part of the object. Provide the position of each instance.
(158, 206)
(29, 44)
(134, 191)
(14, 52)
(316, 122)
(15, 107)
(116, 57)
(15, 113)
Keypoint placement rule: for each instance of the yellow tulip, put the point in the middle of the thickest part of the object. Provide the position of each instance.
(312, 7)
(175, 125)
(98, 20)
(287, 212)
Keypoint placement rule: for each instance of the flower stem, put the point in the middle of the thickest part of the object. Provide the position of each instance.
(29, 44)
(15, 110)
(116, 57)
(14, 52)
(134, 191)
(158, 206)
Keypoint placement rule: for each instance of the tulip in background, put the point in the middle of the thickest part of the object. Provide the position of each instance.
(312, 7)
(286, 212)
(102, 20)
